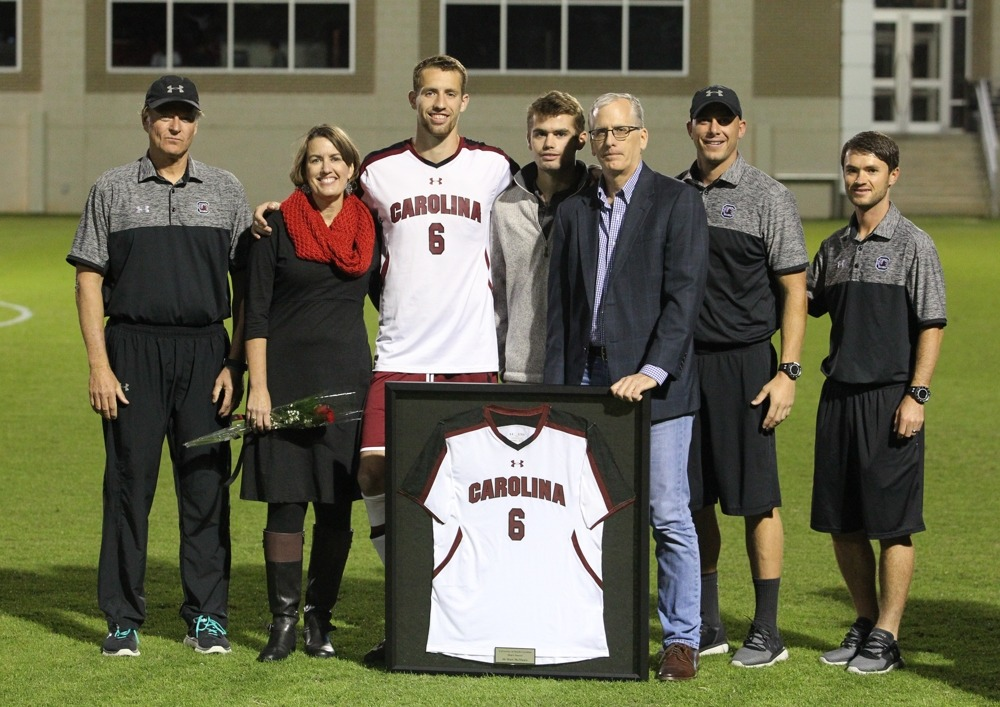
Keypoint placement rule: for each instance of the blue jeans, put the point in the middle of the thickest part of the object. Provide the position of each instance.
(678, 575)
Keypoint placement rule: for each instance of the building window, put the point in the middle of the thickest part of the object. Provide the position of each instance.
(10, 35)
(568, 36)
(303, 35)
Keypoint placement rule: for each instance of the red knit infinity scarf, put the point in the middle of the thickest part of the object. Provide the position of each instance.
(347, 243)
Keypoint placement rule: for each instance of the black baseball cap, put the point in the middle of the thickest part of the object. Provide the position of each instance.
(715, 94)
(172, 89)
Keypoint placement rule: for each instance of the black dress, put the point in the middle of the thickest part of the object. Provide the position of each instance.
(312, 316)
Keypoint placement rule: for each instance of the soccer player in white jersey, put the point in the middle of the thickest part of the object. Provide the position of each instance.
(432, 195)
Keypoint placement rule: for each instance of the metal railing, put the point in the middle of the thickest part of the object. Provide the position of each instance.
(988, 136)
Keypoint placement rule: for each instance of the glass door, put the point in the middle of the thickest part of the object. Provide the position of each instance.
(912, 70)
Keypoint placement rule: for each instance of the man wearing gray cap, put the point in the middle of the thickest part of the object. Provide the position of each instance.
(152, 252)
(756, 286)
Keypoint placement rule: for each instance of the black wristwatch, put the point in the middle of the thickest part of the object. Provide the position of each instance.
(920, 393)
(792, 369)
(238, 366)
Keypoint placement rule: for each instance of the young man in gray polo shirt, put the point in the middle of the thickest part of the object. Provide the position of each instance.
(881, 282)
(152, 253)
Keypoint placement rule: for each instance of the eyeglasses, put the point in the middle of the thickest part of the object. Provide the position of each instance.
(621, 132)
(722, 120)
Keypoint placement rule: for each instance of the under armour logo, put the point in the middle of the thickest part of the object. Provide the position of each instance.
(179, 89)
(717, 92)
(124, 387)
(143, 209)
(517, 462)
(439, 180)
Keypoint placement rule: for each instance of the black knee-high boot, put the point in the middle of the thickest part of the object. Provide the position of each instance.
(283, 560)
(327, 560)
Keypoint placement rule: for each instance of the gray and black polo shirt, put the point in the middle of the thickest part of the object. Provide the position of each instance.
(164, 249)
(879, 292)
(755, 236)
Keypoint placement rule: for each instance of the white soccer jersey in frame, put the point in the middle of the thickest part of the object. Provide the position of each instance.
(518, 497)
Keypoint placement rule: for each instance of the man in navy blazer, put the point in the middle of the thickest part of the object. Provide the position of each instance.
(626, 283)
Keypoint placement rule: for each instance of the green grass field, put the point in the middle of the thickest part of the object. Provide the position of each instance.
(51, 460)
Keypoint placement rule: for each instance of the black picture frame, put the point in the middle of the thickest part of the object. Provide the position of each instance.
(413, 410)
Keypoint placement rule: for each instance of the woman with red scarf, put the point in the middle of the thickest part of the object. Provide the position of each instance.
(306, 334)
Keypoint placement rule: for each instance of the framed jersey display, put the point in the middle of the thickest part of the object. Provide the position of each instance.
(518, 538)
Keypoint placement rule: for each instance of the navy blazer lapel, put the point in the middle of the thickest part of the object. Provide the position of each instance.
(635, 215)
(588, 219)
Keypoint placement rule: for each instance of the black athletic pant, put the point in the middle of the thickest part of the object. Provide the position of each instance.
(167, 374)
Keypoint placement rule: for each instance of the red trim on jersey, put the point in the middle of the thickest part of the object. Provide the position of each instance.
(462, 430)
(377, 155)
(586, 565)
(446, 160)
(422, 507)
(425, 491)
(431, 478)
(385, 267)
(598, 478)
(451, 553)
(407, 146)
(476, 145)
(541, 412)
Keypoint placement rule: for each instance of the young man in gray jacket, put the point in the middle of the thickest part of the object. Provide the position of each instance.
(522, 219)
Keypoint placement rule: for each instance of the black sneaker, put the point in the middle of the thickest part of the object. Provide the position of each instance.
(761, 648)
(376, 656)
(206, 635)
(713, 641)
(121, 642)
(880, 654)
(849, 647)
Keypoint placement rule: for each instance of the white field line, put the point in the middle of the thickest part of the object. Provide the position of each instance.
(23, 314)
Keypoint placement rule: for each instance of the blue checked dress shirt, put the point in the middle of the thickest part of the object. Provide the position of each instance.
(612, 216)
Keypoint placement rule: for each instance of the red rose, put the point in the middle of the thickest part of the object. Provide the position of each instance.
(326, 412)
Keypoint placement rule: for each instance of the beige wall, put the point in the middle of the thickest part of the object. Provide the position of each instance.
(986, 36)
(994, 43)
(796, 48)
(64, 120)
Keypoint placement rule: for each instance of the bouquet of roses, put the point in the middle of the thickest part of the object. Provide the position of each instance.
(314, 411)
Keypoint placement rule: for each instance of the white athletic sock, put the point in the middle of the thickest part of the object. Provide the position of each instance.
(375, 505)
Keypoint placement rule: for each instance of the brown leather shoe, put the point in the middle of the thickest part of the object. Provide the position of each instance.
(679, 662)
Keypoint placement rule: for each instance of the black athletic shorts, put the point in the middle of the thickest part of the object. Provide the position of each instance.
(733, 462)
(865, 478)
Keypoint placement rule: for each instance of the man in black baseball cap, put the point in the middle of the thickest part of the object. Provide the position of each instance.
(172, 89)
(153, 254)
(170, 117)
(716, 94)
(756, 286)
